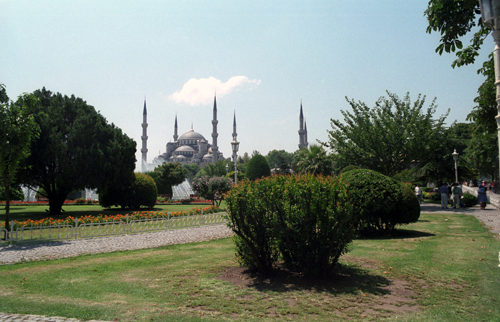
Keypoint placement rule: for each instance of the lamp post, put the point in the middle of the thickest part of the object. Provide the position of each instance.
(235, 145)
(490, 11)
(455, 157)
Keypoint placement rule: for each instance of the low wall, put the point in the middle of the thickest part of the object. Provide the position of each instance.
(494, 201)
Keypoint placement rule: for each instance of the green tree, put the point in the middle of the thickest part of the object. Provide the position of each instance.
(313, 160)
(212, 188)
(388, 138)
(141, 191)
(257, 168)
(168, 175)
(77, 149)
(454, 19)
(483, 146)
(192, 170)
(216, 170)
(17, 129)
(280, 159)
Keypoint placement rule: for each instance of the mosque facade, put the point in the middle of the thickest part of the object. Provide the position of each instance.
(192, 147)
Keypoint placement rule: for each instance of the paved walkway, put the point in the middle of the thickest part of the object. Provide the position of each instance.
(45, 251)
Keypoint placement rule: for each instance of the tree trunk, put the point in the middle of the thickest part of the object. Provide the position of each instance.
(56, 200)
(7, 210)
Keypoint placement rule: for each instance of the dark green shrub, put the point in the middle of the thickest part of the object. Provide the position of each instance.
(349, 168)
(142, 192)
(315, 222)
(257, 168)
(431, 195)
(15, 193)
(469, 199)
(380, 201)
(307, 220)
(251, 217)
(427, 189)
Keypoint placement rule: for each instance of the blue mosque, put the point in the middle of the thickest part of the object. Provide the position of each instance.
(193, 147)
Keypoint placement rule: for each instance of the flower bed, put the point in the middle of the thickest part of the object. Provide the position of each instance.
(96, 202)
(110, 218)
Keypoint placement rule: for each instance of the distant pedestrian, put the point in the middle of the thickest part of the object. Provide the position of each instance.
(456, 192)
(481, 197)
(418, 193)
(444, 196)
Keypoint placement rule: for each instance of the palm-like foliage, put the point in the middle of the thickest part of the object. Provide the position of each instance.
(313, 160)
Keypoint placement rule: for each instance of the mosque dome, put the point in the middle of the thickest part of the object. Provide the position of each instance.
(180, 156)
(207, 157)
(191, 135)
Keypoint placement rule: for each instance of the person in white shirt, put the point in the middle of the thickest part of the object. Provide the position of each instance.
(418, 193)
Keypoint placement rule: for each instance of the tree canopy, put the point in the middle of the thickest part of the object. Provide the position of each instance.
(388, 138)
(455, 19)
(168, 175)
(77, 149)
(17, 129)
(313, 160)
(257, 168)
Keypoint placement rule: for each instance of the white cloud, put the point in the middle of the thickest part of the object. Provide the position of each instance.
(201, 91)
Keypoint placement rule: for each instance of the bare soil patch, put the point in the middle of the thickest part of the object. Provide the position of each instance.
(366, 292)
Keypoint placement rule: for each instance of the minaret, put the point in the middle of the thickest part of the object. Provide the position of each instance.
(302, 132)
(144, 138)
(305, 136)
(215, 148)
(175, 129)
(234, 134)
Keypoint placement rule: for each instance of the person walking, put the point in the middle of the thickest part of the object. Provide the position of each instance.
(418, 193)
(481, 197)
(444, 196)
(456, 191)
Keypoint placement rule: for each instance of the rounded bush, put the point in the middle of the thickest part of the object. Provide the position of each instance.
(257, 168)
(381, 202)
(469, 199)
(306, 220)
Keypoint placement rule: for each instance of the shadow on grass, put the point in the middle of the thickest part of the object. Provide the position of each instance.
(395, 234)
(344, 279)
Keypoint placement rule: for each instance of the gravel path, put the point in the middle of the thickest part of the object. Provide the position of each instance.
(44, 251)
(69, 248)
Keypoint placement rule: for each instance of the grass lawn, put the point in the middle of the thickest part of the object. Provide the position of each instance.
(36, 212)
(443, 268)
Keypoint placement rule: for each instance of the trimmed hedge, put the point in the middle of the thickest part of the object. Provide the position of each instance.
(469, 199)
(306, 220)
(380, 201)
(257, 168)
(142, 192)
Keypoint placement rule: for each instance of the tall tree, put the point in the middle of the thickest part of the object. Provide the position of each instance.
(454, 19)
(312, 160)
(17, 129)
(483, 147)
(77, 149)
(387, 138)
(257, 168)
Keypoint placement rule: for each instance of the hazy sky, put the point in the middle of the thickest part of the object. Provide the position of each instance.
(261, 57)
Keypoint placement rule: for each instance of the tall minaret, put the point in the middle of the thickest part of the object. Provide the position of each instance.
(215, 148)
(305, 136)
(144, 138)
(175, 129)
(234, 134)
(302, 131)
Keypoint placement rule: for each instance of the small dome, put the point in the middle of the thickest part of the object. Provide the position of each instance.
(180, 156)
(207, 156)
(185, 148)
